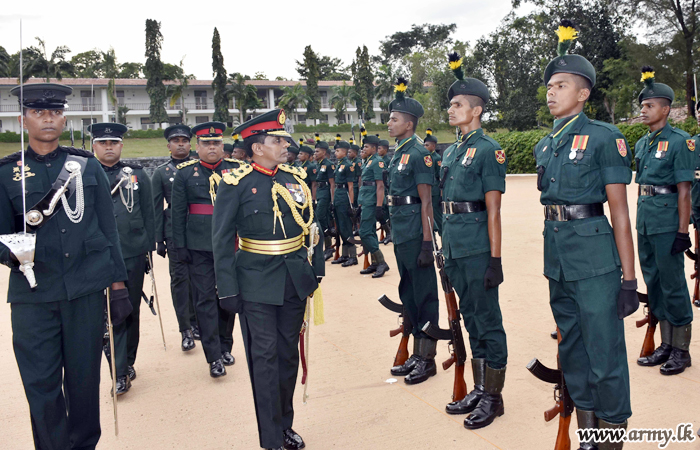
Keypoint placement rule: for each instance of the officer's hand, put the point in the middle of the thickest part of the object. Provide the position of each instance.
(184, 255)
(161, 249)
(318, 280)
(627, 300)
(119, 306)
(494, 274)
(425, 257)
(231, 304)
(379, 214)
(148, 264)
(681, 243)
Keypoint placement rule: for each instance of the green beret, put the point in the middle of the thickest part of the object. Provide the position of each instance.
(306, 149)
(228, 148)
(323, 145)
(465, 86)
(565, 63)
(293, 149)
(238, 144)
(405, 104)
(342, 144)
(429, 137)
(652, 89)
(373, 140)
(384, 143)
(355, 147)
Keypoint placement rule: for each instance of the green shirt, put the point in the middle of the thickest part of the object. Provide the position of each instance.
(437, 166)
(411, 165)
(310, 168)
(373, 170)
(162, 186)
(344, 171)
(665, 157)
(476, 165)
(695, 191)
(325, 172)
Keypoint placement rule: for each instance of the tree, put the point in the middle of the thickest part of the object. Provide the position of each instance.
(384, 89)
(88, 64)
(175, 91)
(420, 37)
(293, 97)
(154, 72)
(131, 70)
(5, 63)
(40, 64)
(260, 76)
(328, 69)
(620, 94)
(363, 79)
(219, 83)
(172, 72)
(342, 95)
(245, 95)
(313, 104)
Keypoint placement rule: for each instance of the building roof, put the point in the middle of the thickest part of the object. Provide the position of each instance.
(125, 82)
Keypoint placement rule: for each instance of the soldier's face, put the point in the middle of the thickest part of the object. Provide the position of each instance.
(654, 110)
(461, 112)
(303, 156)
(565, 96)
(340, 153)
(291, 157)
(179, 147)
(430, 146)
(352, 154)
(319, 154)
(210, 151)
(382, 150)
(398, 125)
(44, 125)
(108, 152)
(368, 150)
(238, 153)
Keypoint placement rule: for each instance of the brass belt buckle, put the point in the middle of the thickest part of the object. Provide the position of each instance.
(646, 190)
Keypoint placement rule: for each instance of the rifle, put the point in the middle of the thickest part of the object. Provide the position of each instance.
(458, 353)
(564, 406)
(336, 233)
(649, 319)
(405, 329)
(695, 275)
(154, 294)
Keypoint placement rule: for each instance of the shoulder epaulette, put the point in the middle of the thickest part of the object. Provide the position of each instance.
(77, 151)
(11, 158)
(234, 176)
(132, 165)
(187, 163)
(605, 125)
(301, 173)
(490, 140)
(234, 160)
(684, 134)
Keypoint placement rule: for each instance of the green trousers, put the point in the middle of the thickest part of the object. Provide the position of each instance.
(480, 309)
(437, 214)
(368, 229)
(664, 275)
(58, 350)
(180, 289)
(341, 202)
(323, 209)
(418, 286)
(126, 334)
(592, 350)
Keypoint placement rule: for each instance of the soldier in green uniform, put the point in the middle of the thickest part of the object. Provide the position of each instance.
(178, 137)
(354, 157)
(57, 326)
(325, 187)
(306, 162)
(474, 171)
(343, 198)
(430, 143)
(133, 208)
(194, 195)
(411, 178)
(238, 148)
(371, 201)
(278, 265)
(580, 165)
(382, 152)
(695, 190)
(666, 161)
(292, 152)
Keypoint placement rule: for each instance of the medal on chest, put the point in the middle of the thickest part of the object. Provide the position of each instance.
(469, 157)
(661, 150)
(403, 162)
(18, 174)
(578, 147)
(296, 191)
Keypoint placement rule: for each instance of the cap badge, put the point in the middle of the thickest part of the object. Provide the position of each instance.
(212, 130)
(108, 130)
(282, 117)
(49, 93)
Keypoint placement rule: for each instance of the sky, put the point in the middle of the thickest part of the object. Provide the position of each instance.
(267, 40)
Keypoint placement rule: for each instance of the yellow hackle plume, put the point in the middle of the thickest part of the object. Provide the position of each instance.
(567, 32)
(648, 75)
(400, 88)
(317, 137)
(429, 131)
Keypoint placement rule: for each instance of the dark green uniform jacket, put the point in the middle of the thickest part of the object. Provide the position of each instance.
(311, 168)
(192, 186)
(658, 167)
(372, 170)
(695, 192)
(244, 207)
(326, 170)
(162, 186)
(437, 166)
(136, 228)
(71, 260)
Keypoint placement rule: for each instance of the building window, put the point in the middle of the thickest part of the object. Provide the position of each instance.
(200, 99)
(229, 122)
(146, 124)
(0, 126)
(86, 122)
(324, 99)
(174, 120)
(120, 98)
(301, 118)
(88, 101)
(324, 118)
(201, 119)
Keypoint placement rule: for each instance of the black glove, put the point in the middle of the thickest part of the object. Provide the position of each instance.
(379, 214)
(351, 211)
(318, 279)
(540, 174)
(161, 248)
(358, 212)
(231, 304)
(494, 274)
(627, 300)
(425, 257)
(184, 255)
(681, 243)
(148, 264)
(120, 306)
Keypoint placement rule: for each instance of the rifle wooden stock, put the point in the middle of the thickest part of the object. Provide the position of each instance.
(399, 330)
(448, 362)
(648, 346)
(459, 390)
(366, 263)
(563, 441)
(402, 353)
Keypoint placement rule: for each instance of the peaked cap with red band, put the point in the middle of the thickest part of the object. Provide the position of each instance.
(210, 131)
(271, 123)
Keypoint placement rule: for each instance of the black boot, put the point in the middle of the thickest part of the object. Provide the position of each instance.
(553, 335)
(425, 365)
(607, 425)
(228, 359)
(351, 261)
(381, 270)
(491, 404)
(370, 269)
(407, 367)
(292, 440)
(469, 403)
(663, 352)
(195, 333)
(132, 373)
(217, 369)
(328, 254)
(327, 245)
(123, 385)
(680, 356)
(187, 341)
(586, 420)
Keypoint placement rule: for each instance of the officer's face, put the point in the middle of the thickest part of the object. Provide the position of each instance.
(210, 151)
(398, 125)
(565, 96)
(461, 112)
(179, 147)
(654, 110)
(381, 150)
(238, 153)
(368, 150)
(108, 152)
(44, 125)
(272, 151)
(430, 146)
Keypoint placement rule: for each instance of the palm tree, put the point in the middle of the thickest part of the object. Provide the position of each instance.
(245, 95)
(384, 89)
(38, 62)
(293, 97)
(175, 91)
(342, 95)
(4, 63)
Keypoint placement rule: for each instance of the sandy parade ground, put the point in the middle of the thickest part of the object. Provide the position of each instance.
(175, 404)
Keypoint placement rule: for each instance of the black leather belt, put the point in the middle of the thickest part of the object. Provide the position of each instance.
(650, 190)
(322, 184)
(369, 183)
(564, 213)
(341, 185)
(398, 200)
(462, 207)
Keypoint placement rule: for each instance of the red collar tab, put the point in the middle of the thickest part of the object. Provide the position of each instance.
(264, 170)
(210, 166)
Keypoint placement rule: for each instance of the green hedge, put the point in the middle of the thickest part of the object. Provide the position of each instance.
(9, 136)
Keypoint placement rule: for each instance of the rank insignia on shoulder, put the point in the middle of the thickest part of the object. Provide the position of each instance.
(691, 144)
(621, 147)
(381, 164)
(501, 156)
(369, 163)
(332, 167)
(428, 161)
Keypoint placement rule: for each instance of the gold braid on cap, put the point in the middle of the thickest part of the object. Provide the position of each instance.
(278, 189)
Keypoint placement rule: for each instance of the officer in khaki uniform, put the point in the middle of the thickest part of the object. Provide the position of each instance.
(274, 271)
(178, 137)
(194, 195)
(371, 201)
(57, 327)
(430, 143)
(325, 187)
(582, 164)
(474, 171)
(410, 205)
(343, 199)
(665, 159)
(133, 209)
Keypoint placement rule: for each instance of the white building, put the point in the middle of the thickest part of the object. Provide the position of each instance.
(90, 103)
